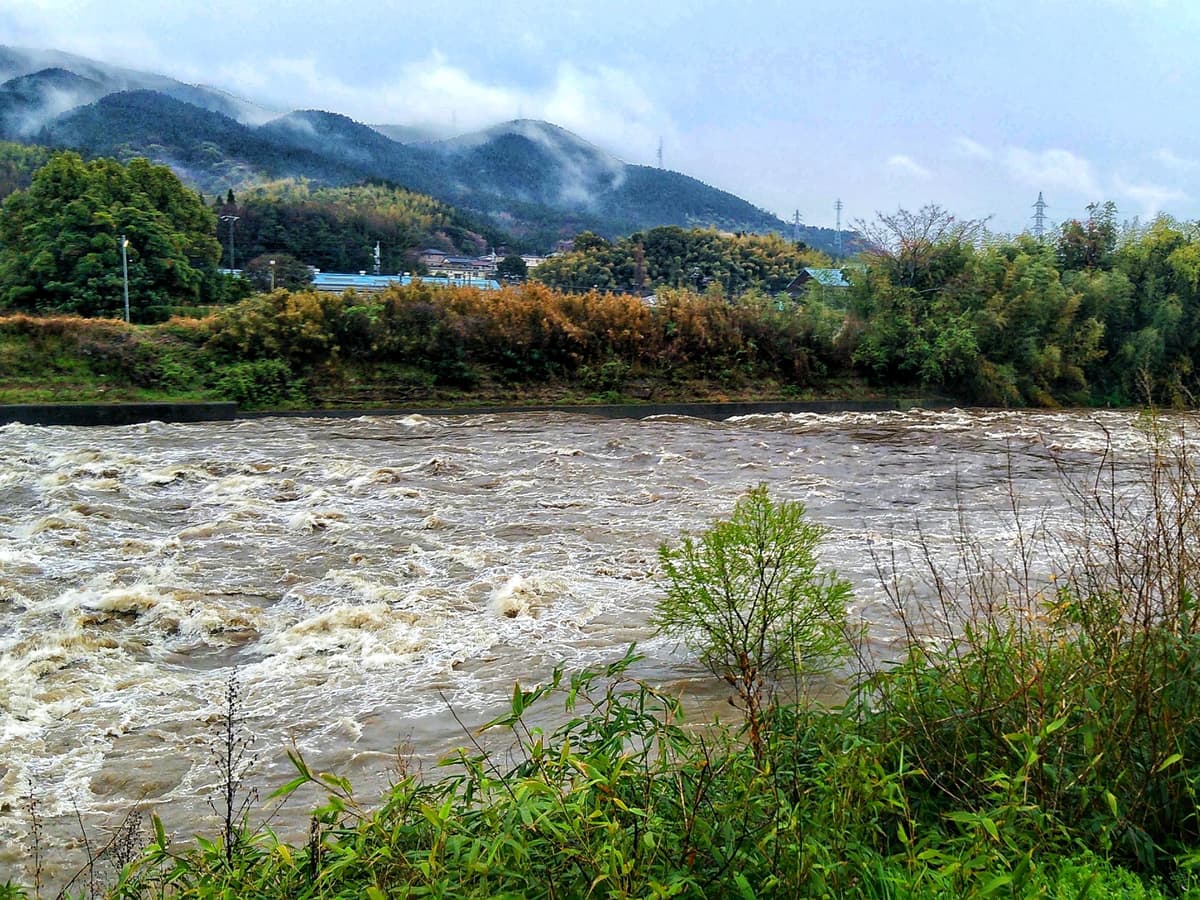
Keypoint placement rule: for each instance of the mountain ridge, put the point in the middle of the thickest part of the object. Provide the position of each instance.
(532, 178)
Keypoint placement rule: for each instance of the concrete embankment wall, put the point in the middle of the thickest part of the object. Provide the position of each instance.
(115, 413)
(715, 411)
(133, 413)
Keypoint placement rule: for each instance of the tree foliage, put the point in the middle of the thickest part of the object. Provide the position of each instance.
(512, 268)
(60, 239)
(1087, 316)
(671, 256)
(18, 162)
(270, 271)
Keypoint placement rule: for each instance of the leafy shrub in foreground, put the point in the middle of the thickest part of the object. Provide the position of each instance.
(747, 596)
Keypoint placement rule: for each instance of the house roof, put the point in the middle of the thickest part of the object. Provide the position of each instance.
(828, 277)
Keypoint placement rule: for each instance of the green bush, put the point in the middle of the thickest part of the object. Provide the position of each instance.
(749, 598)
(261, 383)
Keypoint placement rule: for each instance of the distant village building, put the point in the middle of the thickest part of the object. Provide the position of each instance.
(432, 257)
(826, 278)
(338, 282)
(464, 266)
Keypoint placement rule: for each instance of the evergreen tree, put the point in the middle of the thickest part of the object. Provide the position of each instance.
(60, 240)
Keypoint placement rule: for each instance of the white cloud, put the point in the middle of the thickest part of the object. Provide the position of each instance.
(603, 104)
(906, 165)
(1152, 198)
(973, 149)
(1172, 160)
(1053, 169)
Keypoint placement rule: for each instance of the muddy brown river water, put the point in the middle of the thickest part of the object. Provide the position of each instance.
(361, 575)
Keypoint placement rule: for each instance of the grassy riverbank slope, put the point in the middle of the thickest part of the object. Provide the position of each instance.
(419, 345)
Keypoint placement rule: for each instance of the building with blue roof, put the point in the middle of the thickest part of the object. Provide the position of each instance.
(338, 282)
(830, 278)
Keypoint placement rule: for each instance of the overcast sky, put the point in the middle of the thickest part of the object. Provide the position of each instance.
(973, 104)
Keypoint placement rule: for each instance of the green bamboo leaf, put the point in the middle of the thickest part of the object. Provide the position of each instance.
(1169, 761)
(1112, 804)
(288, 788)
(995, 884)
(518, 701)
(990, 827)
(1056, 724)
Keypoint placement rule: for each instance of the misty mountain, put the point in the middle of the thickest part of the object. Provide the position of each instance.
(208, 149)
(531, 162)
(516, 168)
(533, 179)
(20, 61)
(27, 102)
(358, 147)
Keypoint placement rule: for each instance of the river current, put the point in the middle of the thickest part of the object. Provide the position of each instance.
(364, 576)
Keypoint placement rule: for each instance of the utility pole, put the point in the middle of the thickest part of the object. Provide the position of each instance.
(231, 220)
(837, 234)
(125, 273)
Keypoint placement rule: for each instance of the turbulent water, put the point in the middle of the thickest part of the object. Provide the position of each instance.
(364, 576)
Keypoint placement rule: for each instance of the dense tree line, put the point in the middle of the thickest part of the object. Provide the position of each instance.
(670, 256)
(1092, 314)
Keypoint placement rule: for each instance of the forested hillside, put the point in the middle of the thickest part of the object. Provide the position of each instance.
(336, 228)
(209, 150)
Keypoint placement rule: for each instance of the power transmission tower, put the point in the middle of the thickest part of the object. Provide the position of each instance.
(1039, 217)
(837, 234)
(796, 227)
(660, 165)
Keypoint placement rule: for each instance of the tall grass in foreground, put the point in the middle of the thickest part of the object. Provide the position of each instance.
(1069, 703)
(1051, 748)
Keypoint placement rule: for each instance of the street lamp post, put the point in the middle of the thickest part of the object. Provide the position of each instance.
(125, 273)
(272, 274)
(231, 220)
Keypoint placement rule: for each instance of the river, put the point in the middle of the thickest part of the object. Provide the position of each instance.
(361, 576)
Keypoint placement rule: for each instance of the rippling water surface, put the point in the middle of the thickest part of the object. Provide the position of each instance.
(364, 574)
